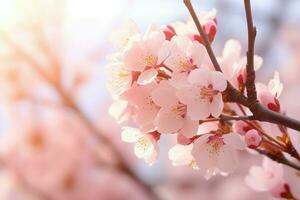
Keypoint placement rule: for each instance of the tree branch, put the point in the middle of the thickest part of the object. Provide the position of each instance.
(279, 158)
(233, 95)
(226, 118)
(250, 79)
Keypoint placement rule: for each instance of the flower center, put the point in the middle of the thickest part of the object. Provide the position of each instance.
(208, 92)
(143, 144)
(150, 60)
(180, 109)
(215, 142)
(123, 75)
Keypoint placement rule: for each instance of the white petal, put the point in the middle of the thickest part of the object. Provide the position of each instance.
(218, 81)
(232, 49)
(163, 52)
(200, 76)
(234, 140)
(227, 159)
(255, 179)
(117, 109)
(130, 134)
(168, 121)
(181, 154)
(164, 96)
(190, 128)
(258, 62)
(199, 55)
(144, 146)
(185, 94)
(216, 106)
(198, 110)
(147, 76)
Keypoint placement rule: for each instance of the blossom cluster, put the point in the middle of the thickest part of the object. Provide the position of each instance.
(163, 83)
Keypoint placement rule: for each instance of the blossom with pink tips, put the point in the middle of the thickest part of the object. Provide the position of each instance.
(268, 95)
(203, 96)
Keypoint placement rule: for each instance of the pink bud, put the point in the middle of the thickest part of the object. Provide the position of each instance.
(155, 135)
(241, 127)
(280, 190)
(269, 101)
(210, 28)
(253, 139)
(169, 32)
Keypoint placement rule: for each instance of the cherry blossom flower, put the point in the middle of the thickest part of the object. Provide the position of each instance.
(185, 55)
(203, 96)
(145, 110)
(269, 177)
(209, 24)
(268, 95)
(171, 117)
(119, 79)
(149, 52)
(252, 138)
(125, 35)
(217, 154)
(145, 143)
(234, 66)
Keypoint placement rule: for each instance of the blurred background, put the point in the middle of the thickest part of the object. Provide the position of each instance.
(56, 134)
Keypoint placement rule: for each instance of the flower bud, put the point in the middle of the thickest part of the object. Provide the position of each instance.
(253, 139)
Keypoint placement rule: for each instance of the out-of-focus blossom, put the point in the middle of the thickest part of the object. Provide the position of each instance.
(269, 177)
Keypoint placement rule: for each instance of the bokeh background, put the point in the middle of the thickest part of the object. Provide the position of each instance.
(52, 90)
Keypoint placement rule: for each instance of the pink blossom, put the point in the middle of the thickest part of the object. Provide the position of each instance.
(149, 52)
(268, 95)
(217, 154)
(253, 139)
(233, 65)
(203, 96)
(185, 55)
(145, 110)
(171, 117)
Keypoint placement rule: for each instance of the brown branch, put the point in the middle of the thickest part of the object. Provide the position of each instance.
(250, 79)
(226, 118)
(232, 95)
(279, 158)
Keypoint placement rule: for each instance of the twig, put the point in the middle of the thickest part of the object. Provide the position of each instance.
(250, 79)
(232, 95)
(226, 118)
(279, 158)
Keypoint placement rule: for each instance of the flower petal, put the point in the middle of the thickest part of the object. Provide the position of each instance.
(130, 134)
(147, 76)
